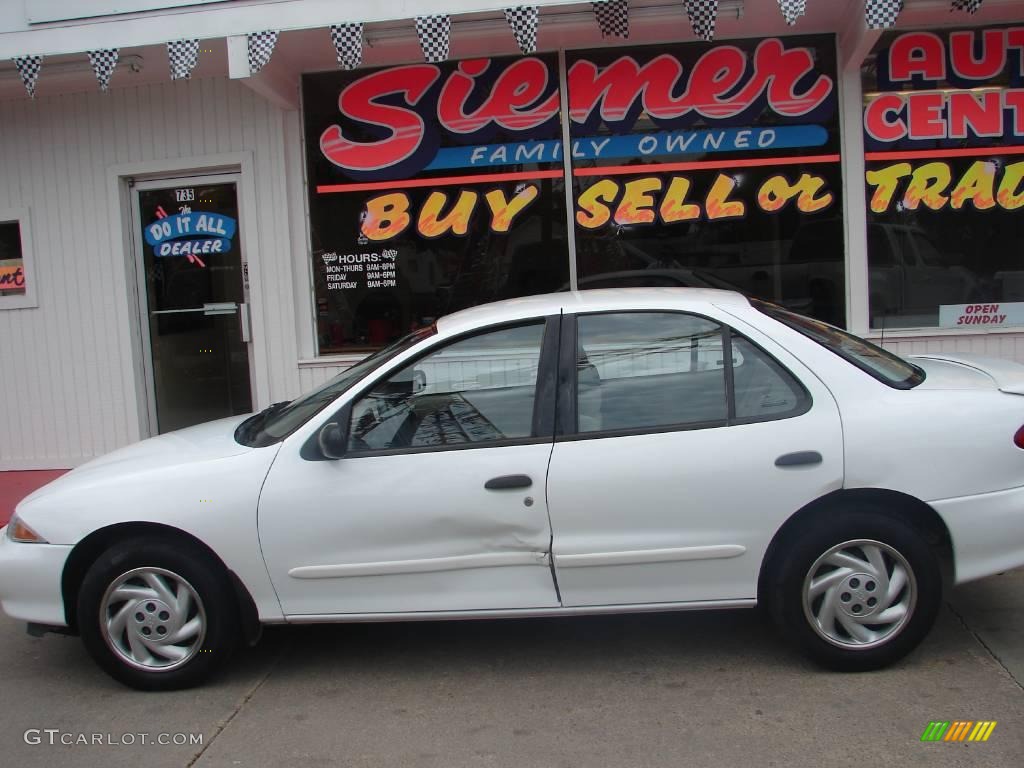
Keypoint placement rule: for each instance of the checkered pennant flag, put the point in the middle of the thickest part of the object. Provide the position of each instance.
(881, 14)
(348, 42)
(971, 6)
(792, 10)
(434, 33)
(261, 48)
(183, 56)
(524, 20)
(702, 15)
(28, 68)
(103, 63)
(612, 17)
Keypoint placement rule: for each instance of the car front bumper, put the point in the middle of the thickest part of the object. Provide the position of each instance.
(987, 532)
(30, 577)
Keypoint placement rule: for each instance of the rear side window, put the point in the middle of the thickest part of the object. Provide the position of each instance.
(642, 370)
(884, 366)
(650, 370)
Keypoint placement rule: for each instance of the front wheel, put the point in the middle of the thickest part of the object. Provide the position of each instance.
(858, 593)
(156, 615)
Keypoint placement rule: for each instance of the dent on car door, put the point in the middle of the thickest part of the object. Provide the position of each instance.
(685, 446)
(438, 503)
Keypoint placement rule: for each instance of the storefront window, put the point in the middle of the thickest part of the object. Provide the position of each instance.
(12, 265)
(944, 136)
(431, 188)
(711, 165)
(437, 187)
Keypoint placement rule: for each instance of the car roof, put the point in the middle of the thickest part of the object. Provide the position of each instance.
(596, 300)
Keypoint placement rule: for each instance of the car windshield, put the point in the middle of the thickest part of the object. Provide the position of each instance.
(884, 366)
(281, 419)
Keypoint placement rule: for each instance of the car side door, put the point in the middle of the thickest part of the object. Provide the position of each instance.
(437, 503)
(684, 444)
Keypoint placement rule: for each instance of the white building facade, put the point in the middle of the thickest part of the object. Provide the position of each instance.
(178, 250)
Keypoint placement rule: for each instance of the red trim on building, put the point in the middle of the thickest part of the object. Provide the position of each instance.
(15, 486)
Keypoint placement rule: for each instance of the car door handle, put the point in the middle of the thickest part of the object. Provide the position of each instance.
(798, 459)
(508, 481)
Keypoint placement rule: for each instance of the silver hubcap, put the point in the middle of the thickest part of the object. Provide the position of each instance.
(859, 594)
(153, 619)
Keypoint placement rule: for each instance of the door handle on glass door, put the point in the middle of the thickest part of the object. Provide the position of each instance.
(798, 459)
(506, 482)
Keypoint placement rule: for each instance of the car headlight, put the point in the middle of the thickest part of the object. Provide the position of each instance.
(18, 531)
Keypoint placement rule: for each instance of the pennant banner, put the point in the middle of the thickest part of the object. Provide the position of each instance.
(182, 56)
(348, 42)
(28, 68)
(261, 48)
(881, 14)
(103, 63)
(792, 10)
(971, 6)
(612, 17)
(524, 20)
(434, 33)
(702, 15)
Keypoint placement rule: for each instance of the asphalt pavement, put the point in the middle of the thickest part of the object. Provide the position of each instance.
(684, 689)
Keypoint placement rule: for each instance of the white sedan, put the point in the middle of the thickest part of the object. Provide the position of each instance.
(594, 452)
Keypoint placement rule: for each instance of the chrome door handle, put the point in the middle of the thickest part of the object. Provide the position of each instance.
(798, 459)
(508, 481)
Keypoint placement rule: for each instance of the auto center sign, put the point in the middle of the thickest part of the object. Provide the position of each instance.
(964, 86)
(944, 129)
(983, 315)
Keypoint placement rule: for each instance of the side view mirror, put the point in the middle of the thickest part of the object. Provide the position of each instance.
(332, 440)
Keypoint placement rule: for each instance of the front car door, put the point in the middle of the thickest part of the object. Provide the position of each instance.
(438, 503)
(686, 445)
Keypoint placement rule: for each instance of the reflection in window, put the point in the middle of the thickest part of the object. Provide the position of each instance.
(880, 363)
(943, 186)
(648, 369)
(673, 200)
(392, 251)
(476, 390)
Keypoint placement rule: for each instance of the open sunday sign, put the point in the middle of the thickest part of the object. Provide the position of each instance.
(959, 315)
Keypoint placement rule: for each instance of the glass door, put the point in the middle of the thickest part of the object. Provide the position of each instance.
(192, 286)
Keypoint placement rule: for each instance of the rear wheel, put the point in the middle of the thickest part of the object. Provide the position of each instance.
(858, 593)
(156, 615)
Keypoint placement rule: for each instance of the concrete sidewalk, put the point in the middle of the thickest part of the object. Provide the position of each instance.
(708, 689)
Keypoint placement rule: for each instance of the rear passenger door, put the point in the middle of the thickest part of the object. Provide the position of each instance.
(683, 444)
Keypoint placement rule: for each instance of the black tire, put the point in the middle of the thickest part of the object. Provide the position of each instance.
(207, 651)
(787, 580)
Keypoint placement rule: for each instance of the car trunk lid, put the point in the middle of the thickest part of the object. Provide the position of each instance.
(970, 372)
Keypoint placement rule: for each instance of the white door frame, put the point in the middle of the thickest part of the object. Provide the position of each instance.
(239, 166)
(135, 217)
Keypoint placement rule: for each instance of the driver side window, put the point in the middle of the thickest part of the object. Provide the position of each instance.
(476, 390)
